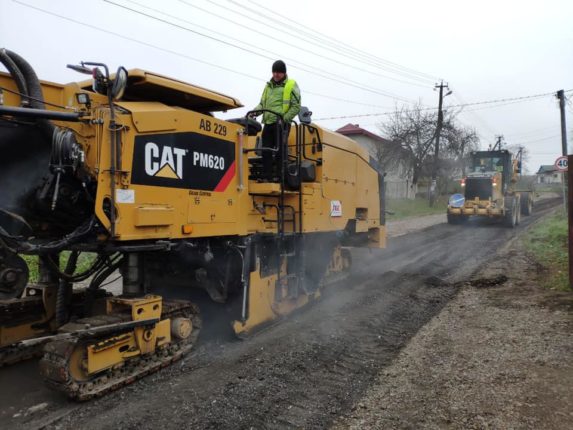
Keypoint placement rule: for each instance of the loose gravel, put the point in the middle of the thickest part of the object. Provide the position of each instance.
(497, 357)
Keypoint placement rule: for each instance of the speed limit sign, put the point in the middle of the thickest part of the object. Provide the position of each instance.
(561, 163)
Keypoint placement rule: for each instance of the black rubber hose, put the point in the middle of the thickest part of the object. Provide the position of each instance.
(91, 291)
(31, 79)
(78, 277)
(24, 246)
(64, 295)
(34, 90)
(103, 274)
(16, 74)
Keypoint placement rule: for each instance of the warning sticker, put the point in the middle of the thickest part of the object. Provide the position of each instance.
(125, 196)
(335, 208)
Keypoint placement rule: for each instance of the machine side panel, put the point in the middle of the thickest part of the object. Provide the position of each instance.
(177, 184)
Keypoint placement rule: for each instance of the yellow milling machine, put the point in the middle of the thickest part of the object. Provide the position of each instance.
(134, 170)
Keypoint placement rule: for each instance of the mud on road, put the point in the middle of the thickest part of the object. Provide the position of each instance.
(309, 371)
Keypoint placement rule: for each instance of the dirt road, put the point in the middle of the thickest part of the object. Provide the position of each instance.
(310, 371)
(498, 356)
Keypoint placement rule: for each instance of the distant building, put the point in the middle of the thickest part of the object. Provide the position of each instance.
(398, 179)
(548, 174)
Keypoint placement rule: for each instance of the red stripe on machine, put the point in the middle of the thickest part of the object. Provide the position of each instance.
(226, 179)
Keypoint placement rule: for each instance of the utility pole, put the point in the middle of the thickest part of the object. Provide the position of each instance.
(561, 96)
(433, 187)
(498, 143)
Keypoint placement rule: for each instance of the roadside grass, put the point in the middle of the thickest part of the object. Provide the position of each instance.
(85, 260)
(406, 208)
(547, 241)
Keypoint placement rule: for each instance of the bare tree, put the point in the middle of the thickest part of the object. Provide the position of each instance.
(412, 132)
(459, 142)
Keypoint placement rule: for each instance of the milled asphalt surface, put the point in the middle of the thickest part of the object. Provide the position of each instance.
(303, 372)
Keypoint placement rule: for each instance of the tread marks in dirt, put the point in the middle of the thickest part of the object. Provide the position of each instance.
(435, 281)
(307, 379)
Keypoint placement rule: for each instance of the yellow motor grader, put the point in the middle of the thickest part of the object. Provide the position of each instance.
(135, 170)
(492, 189)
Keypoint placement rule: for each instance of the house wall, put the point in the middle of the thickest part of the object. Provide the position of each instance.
(366, 142)
(400, 190)
(549, 178)
(398, 181)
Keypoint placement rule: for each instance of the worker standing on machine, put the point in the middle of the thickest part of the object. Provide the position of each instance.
(280, 95)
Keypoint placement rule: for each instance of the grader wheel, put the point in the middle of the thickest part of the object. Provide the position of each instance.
(510, 218)
(526, 204)
(456, 219)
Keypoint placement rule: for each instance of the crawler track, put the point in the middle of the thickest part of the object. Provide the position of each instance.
(55, 364)
(12, 312)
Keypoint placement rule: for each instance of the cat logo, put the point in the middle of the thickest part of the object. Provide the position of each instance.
(187, 160)
(164, 163)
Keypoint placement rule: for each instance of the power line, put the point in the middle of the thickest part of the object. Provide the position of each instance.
(338, 44)
(250, 76)
(297, 36)
(187, 29)
(351, 53)
(535, 96)
(539, 140)
(510, 103)
(519, 100)
(290, 44)
(331, 77)
(169, 51)
(479, 134)
(291, 61)
(556, 153)
(131, 39)
(476, 117)
(530, 132)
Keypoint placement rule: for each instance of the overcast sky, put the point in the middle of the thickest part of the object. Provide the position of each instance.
(352, 60)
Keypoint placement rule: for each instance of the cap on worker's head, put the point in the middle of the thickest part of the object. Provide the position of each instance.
(279, 66)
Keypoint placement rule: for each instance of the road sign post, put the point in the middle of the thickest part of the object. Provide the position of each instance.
(562, 165)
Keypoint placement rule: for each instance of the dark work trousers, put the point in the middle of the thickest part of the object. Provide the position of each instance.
(272, 139)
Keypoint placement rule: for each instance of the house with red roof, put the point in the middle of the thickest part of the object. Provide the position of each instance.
(398, 175)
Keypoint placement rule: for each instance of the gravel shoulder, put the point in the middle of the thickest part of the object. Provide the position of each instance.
(499, 355)
(410, 225)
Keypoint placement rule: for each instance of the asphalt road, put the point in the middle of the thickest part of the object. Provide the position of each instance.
(300, 373)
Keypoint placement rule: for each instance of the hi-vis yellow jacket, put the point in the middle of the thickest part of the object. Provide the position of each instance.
(282, 97)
